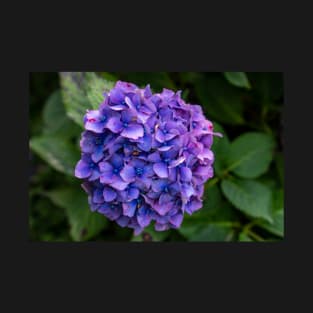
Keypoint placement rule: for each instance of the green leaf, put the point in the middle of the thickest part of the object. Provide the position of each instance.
(249, 196)
(84, 223)
(244, 237)
(55, 119)
(216, 216)
(238, 79)
(220, 101)
(267, 85)
(82, 91)
(95, 87)
(211, 232)
(220, 149)
(57, 152)
(277, 226)
(251, 154)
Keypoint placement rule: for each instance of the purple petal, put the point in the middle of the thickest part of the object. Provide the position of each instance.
(159, 136)
(177, 162)
(97, 154)
(164, 198)
(133, 193)
(206, 154)
(145, 143)
(187, 190)
(116, 96)
(147, 91)
(117, 160)
(172, 174)
(118, 107)
(137, 231)
(109, 194)
(98, 196)
(133, 131)
(105, 167)
(94, 175)
(143, 219)
(82, 169)
(185, 174)
(128, 173)
(87, 144)
(204, 171)
(129, 208)
(148, 171)
(161, 227)
(158, 184)
(164, 208)
(118, 183)
(142, 117)
(114, 124)
(154, 157)
(193, 205)
(165, 148)
(176, 220)
(122, 221)
(161, 169)
(94, 126)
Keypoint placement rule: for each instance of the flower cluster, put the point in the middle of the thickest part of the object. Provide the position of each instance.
(145, 157)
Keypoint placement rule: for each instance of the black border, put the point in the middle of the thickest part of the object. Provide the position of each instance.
(254, 271)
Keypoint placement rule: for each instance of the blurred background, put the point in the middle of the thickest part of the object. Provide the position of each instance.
(243, 202)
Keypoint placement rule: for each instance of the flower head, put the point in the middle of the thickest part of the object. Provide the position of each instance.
(145, 157)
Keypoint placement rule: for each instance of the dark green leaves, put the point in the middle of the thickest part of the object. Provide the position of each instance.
(84, 224)
(210, 232)
(238, 79)
(249, 196)
(277, 208)
(215, 221)
(250, 154)
(220, 101)
(57, 152)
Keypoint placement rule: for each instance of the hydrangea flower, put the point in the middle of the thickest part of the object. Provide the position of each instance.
(145, 157)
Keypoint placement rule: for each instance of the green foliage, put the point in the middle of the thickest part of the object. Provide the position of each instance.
(221, 101)
(82, 91)
(83, 223)
(238, 79)
(244, 201)
(249, 196)
(250, 154)
(57, 152)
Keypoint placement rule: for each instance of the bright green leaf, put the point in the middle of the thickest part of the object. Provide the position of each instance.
(57, 152)
(251, 154)
(84, 223)
(249, 196)
(238, 79)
